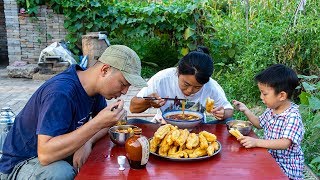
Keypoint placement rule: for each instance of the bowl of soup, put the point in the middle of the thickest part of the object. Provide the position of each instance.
(243, 126)
(120, 134)
(184, 120)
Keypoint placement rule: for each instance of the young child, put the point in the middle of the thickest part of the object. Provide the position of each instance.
(281, 121)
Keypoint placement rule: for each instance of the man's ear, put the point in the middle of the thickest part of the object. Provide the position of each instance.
(105, 68)
(283, 96)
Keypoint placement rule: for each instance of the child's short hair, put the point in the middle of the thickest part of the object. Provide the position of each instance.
(279, 77)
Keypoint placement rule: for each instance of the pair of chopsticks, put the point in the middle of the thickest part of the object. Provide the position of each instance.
(154, 98)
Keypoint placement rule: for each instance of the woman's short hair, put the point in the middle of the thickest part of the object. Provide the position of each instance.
(198, 63)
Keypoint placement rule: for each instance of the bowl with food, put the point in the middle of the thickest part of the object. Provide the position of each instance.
(183, 119)
(244, 127)
(120, 134)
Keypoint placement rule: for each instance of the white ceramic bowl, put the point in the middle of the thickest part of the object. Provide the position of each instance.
(183, 123)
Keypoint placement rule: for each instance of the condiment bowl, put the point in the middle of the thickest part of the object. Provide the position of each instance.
(190, 119)
(120, 134)
(243, 126)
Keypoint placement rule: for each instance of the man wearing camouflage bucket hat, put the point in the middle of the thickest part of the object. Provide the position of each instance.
(54, 133)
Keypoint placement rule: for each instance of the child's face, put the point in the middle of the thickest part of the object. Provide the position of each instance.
(269, 97)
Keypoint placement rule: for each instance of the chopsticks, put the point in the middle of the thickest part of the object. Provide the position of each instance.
(154, 98)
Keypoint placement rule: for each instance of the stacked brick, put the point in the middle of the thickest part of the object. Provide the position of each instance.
(36, 33)
(12, 26)
(27, 36)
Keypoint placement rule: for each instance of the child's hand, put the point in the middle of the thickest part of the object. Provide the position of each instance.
(248, 142)
(239, 106)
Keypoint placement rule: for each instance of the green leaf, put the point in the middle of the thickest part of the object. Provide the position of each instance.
(308, 87)
(95, 4)
(315, 160)
(307, 77)
(304, 98)
(89, 26)
(66, 24)
(78, 25)
(184, 51)
(187, 33)
(231, 52)
(314, 103)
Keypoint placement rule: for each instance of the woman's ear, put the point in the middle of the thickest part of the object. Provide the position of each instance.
(283, 96)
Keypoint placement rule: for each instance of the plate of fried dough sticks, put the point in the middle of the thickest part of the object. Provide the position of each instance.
(176, 144)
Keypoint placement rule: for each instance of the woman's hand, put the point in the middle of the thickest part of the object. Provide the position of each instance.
(218, 113)
(158, 102)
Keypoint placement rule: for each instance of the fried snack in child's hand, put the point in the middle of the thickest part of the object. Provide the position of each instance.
(162, 131)
(203, 141)
(209, 104)
(209, 136)
(235, 132)
(192, 141)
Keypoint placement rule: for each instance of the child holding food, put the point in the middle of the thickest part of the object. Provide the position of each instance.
(281, 121)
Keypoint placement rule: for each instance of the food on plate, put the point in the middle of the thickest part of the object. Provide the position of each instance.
(129, 130)
(209, 104)
(180, 143)
(203, 141)
(183, 116)
(162, 131)
(235, 132)
(183, 137)
(192, 141)
(154, 143)
(198, 153)
(209, 136)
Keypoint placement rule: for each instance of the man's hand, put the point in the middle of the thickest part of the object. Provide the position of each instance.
(81, 155)
(111, 114)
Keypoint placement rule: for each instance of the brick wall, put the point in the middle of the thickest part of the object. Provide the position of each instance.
(27, 36)
(3, 36)
(37, 33)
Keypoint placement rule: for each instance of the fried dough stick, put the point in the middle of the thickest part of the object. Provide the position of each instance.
(183, 137)
(209, 136)
(162, 131)
(192, 141)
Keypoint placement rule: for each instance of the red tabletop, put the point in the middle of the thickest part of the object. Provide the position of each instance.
(232, 162)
